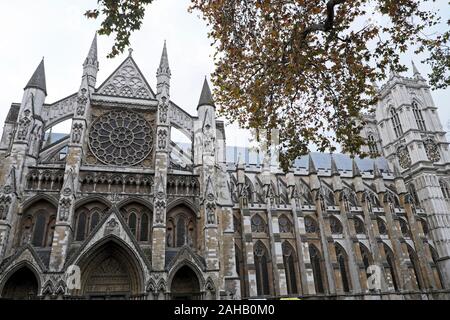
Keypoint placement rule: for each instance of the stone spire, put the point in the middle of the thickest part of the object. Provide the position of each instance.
(164, 63)
(90, 67)
(92, 58)
(38, 79)
(355, 169)
(416, 73)
(335, 175)
(379, 182)
(314, 182)
(206, 97)
(334, 168)
(357, 177)
(394, 74)
(399, 181)
(311, 166)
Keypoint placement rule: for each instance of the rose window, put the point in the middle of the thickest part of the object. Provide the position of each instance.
(121, 138)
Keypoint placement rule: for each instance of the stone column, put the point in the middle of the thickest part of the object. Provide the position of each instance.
(327, 243)
(424, 264)
(401, 257)
(304, 261)
(78, 137)
(369, 221)
(432, 200)
(351, 241)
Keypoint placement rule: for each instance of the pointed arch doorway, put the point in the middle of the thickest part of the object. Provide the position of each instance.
(185, 285)
(21, 285)
(110, 272)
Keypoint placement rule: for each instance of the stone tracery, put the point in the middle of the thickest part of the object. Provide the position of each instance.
(121, 138)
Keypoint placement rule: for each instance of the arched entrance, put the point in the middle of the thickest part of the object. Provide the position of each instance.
(22, 285)
(110, 272)
(185, 285)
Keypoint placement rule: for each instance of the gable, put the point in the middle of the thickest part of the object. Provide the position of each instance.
(111, 226)
(127, 81)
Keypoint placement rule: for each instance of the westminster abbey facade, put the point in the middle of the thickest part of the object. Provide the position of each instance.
(124, 212)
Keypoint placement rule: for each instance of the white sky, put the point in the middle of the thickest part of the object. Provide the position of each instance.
(57, 30)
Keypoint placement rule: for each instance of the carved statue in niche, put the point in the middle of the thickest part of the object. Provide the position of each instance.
(77, 132)
(35, 137)
(112, 226)
(5, 201)
(169, 237)
(26, 235)
(82, 100)
(208, 140)
(211, 213)
(24, 125)
(323, 206)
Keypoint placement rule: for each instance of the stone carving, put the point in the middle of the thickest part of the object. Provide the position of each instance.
(208, 140)
(211, 213)
(160, 206)
(127, 82)
(82, 101)
(285, 225)
(5, 202)
(64, 209)
(112, 226)
(258, 225)
(310, 225)
(432, 150)
(77, 132)
(163, 109)
(121, 138)
(61, 110)
(404, 157)
(24, 125)
(323, 206)
(162, 139)
(169, 237)
(335, 225)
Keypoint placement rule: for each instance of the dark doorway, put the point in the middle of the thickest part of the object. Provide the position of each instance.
(22, 285)
(185, 285)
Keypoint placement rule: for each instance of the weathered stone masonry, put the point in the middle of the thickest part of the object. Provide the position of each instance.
(145, 217)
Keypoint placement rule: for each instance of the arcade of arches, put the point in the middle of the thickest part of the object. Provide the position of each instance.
(112, 272)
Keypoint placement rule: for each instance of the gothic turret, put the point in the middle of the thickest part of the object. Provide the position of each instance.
(206, 97)
(38, 79)
(35, 91)
(416, 73)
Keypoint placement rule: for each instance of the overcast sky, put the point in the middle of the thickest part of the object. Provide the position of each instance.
(58, 31)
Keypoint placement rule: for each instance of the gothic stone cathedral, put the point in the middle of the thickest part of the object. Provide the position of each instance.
(143, 217)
